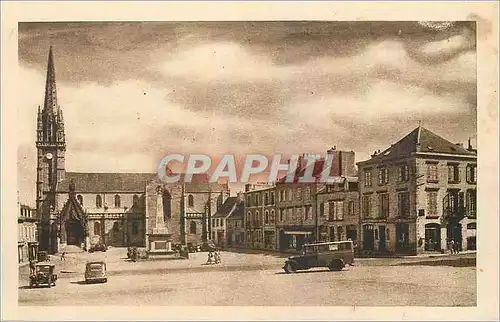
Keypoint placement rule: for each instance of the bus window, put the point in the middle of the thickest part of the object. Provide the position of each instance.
(333, 247)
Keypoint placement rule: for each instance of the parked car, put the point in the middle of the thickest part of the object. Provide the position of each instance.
(100, 247)
(334, 255)
(95, 272)
(43, 275)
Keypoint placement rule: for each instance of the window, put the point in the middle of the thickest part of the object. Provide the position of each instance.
(350, 208)
(285, 196)
(471, 203)
(403, 173)
(135, 201)
(383, 205)
(272, 197)
(191, 202)
(249, 199)
(471, 173)
(403, 204)
(80, 199)
(266, 219)
(135, 227)
(97, 228)
(336, 211)
(98, 201)
(117, 201)
(453, 173)
(116, 227)
(368, 178)
(290, 194)
(307, 211)
(281, 214)
(272, 217)
(383, 176)
(432, 172)
(322, 209)
(432, 203)
(266, 198)
(366, 206)
(213, 222)
(282, 195)
(192, 227)
(299, 193)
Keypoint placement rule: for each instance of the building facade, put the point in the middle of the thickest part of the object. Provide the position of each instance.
(236, 224)
(118, 209)
(27, 232)
(418, 195)
(338, 210)
(260, 216)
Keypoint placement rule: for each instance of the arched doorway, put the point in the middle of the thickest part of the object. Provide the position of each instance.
(432, 237)
(471, 236)
(75, 233)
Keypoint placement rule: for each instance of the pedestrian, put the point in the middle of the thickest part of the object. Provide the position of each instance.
(217, 257)
(32, 266)
(63, 256)
(456, 248)
(452, 246)
(210, 258)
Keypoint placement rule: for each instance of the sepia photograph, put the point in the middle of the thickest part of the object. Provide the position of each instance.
(255, 162)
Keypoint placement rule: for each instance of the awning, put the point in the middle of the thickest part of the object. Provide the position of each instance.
(298, 232)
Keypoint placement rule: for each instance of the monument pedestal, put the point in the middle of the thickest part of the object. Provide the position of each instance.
(159, 240)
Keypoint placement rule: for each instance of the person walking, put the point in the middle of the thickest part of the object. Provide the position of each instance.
(63, 256)
(452, 246)
(32, 266)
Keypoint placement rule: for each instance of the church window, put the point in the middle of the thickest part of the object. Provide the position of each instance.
(98, 201)
(190, 201)
(135, 201)
(116, 227)
(117, 201)
(80, 199)
(97, 228)
(192, 227)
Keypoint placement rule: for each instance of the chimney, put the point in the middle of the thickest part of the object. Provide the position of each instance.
(330, 151)
(469, 145)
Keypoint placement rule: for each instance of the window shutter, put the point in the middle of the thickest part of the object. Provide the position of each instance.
(327, 209)
(461, 202)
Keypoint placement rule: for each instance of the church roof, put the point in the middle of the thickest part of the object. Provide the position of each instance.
(106, 182)
(419, 140)
(98, 182)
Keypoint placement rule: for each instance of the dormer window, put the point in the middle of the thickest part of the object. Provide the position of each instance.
(117, 201)
(98, 201)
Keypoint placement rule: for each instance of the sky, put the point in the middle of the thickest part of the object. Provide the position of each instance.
(134, 92)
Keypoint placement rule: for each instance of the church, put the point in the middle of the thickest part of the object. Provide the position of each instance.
(118, 209)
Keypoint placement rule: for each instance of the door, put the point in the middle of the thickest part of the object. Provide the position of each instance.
(454, 232)
(368, 238)
(381, 240)
(402, 237)
(432, 237)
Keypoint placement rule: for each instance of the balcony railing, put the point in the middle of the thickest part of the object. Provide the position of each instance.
(454, 212)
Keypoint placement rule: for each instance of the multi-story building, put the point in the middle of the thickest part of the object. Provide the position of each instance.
(27, 232)
(260, 216)
(219, 221)
(298, 221)
(418, 194)
(338, 210)
(236, 224)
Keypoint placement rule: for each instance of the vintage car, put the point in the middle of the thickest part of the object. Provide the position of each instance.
(100, 247)
(334, 255)
(95, 272)
(43, 275)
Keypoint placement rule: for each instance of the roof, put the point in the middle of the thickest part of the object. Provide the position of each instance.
(93, 182)
(72, 209)
(420, 140)
(238, 211)
(226, 208)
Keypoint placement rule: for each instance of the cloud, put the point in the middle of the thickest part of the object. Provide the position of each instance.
(133, 92)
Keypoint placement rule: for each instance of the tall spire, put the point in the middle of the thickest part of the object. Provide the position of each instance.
(50, 104)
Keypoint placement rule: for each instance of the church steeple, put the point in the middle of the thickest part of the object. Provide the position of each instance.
(50, 105)
(51, 148)
(50, 127)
